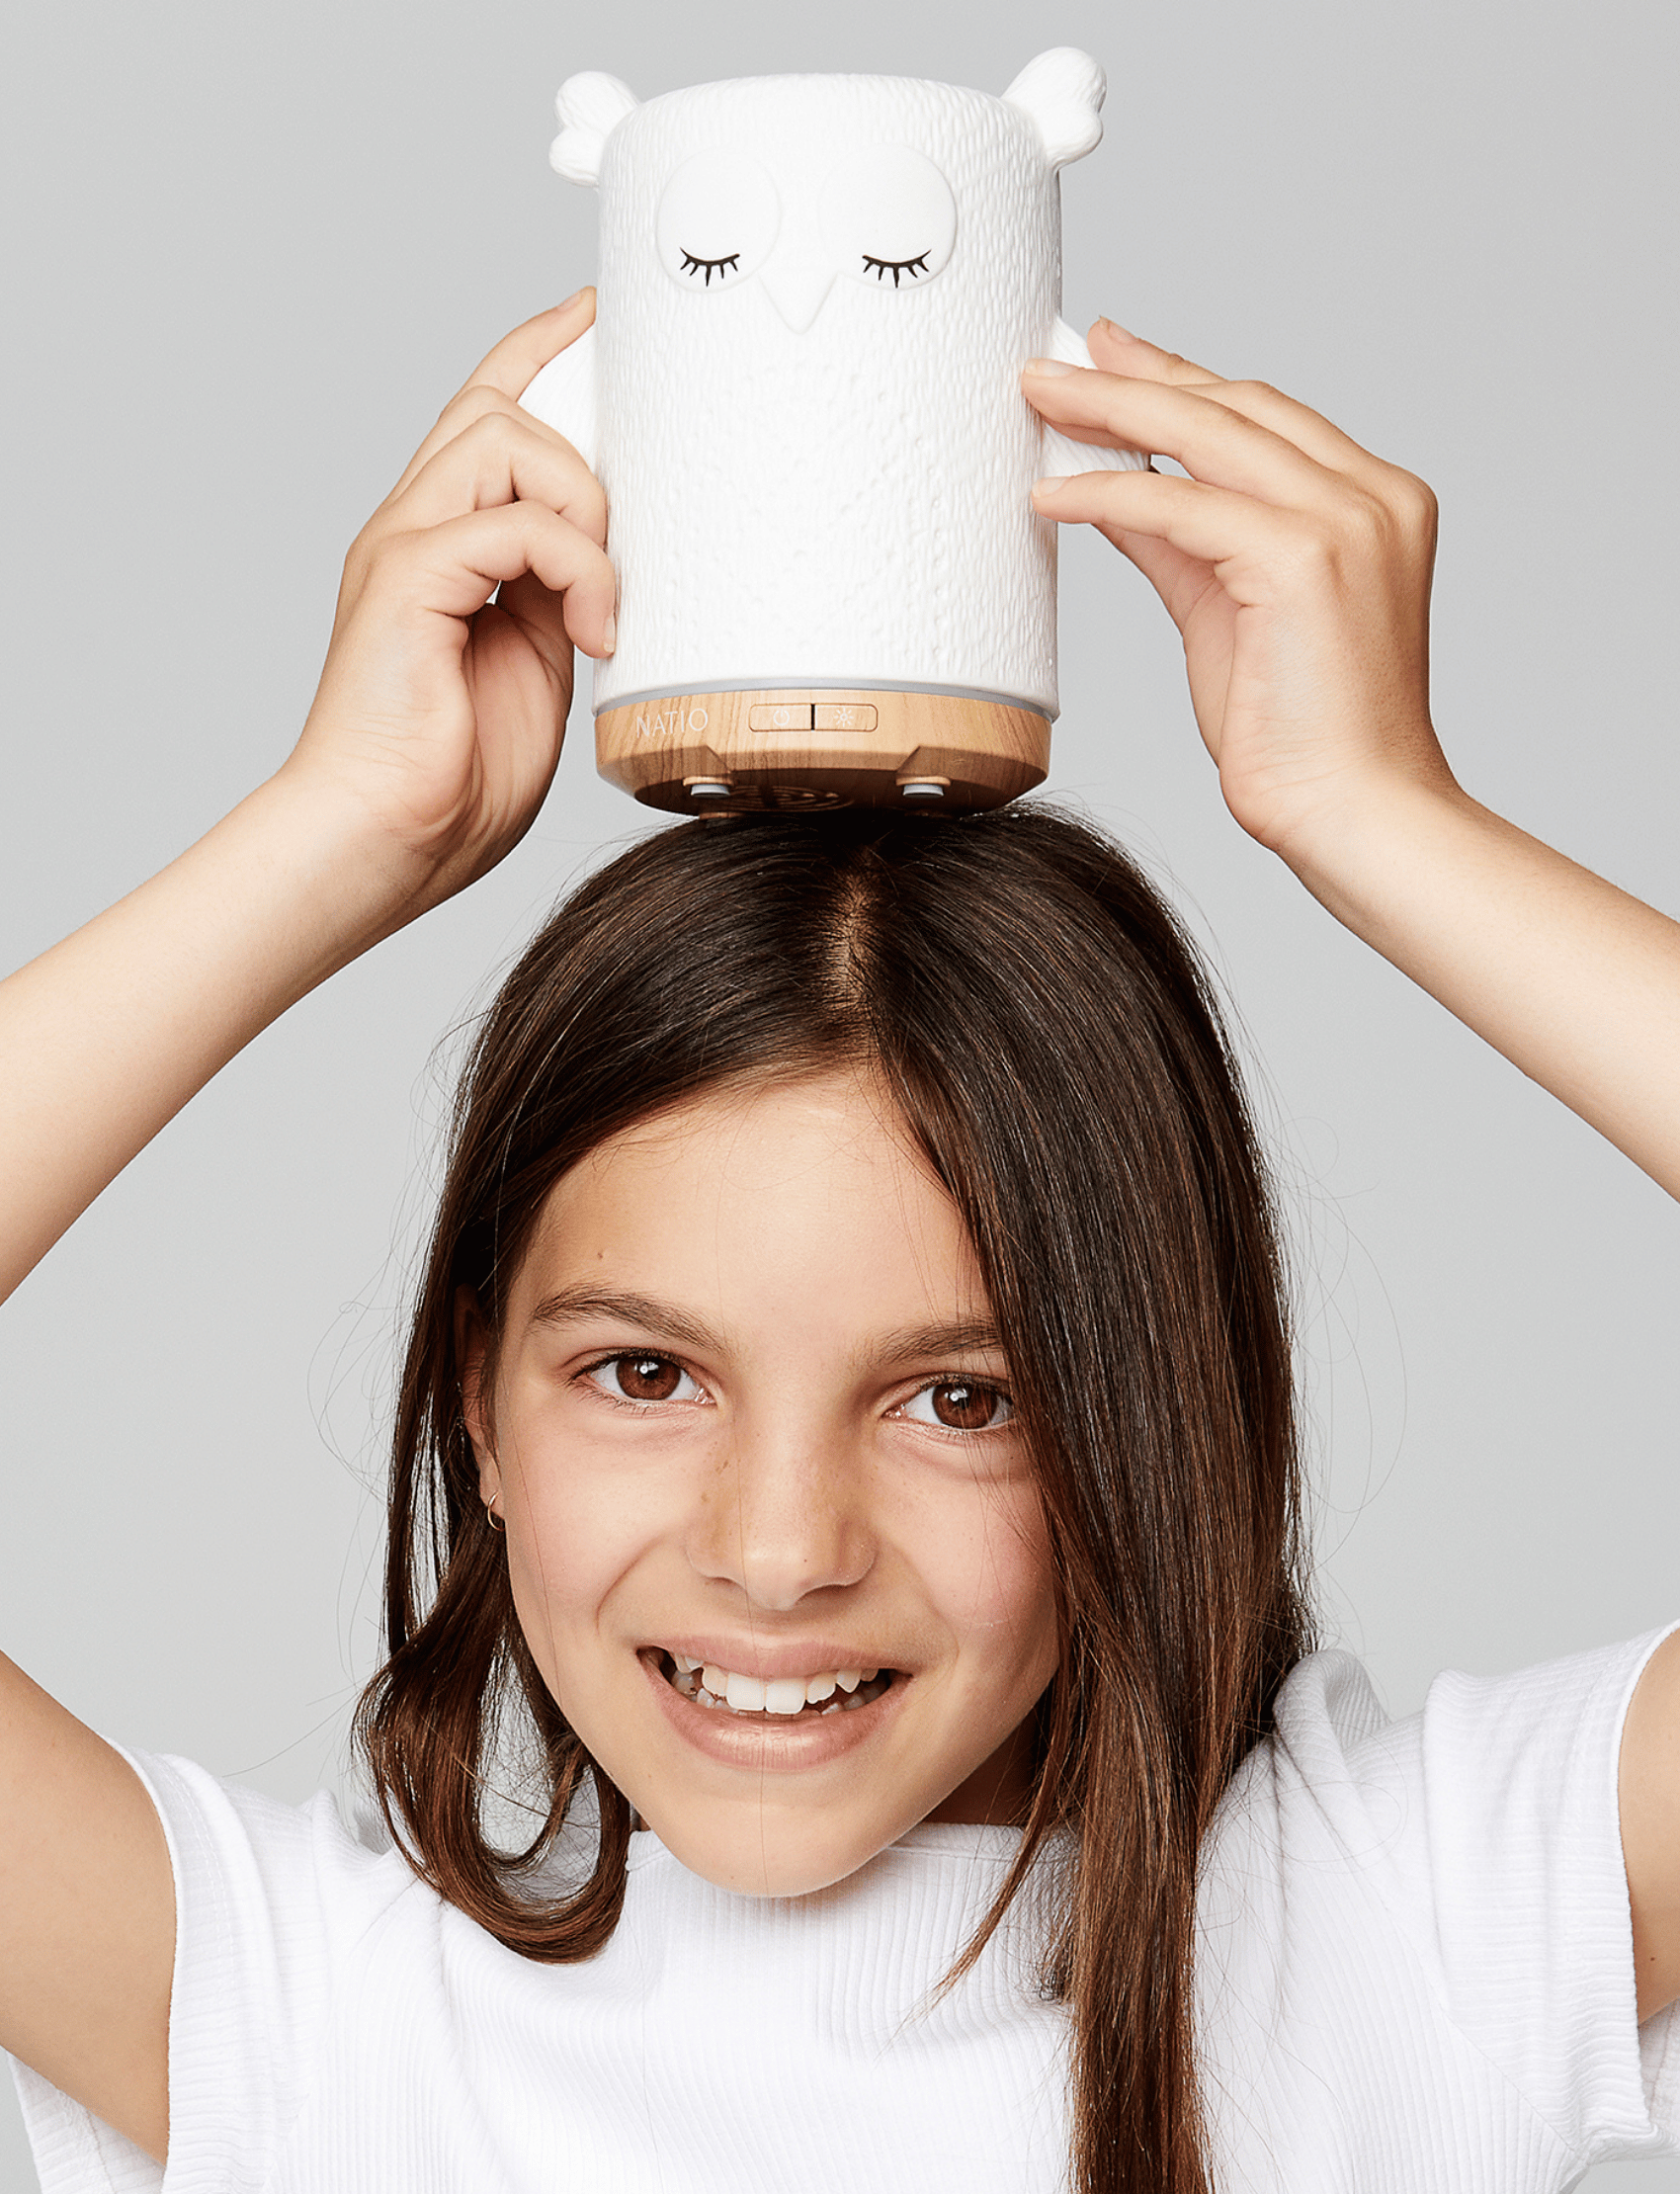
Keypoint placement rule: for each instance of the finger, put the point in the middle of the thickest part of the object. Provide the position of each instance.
(1179, 579)
(453, 568)
(477, 401)
(1117, 351)
(518, 358)
(1216, 526)
(542, 616)
(503, 457)
(502, 377)
(1214, 443)
(1123, 353)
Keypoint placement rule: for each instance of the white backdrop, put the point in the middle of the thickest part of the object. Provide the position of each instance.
(251, 253)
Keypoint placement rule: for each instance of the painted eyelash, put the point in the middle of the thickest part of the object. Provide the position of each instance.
(720, 267)
(896, 267)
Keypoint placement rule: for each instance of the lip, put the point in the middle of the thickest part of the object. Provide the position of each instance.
(743, 1658)
(770, 1742)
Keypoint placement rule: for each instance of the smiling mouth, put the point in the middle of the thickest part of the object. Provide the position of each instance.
(841, 1691)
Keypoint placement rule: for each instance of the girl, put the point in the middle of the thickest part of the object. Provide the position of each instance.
(845, 1480)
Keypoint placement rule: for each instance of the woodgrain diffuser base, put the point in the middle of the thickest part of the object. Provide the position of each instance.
(787, 747)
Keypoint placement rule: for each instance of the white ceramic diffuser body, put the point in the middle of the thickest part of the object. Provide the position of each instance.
(801, 395)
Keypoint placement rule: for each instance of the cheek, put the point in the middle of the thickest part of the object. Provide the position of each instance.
(573, 1533)
(988, 1571)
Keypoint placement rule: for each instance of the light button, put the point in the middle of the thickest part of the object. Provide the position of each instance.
(780, 715)
(845, 715)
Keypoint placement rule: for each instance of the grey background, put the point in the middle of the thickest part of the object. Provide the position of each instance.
(250, 253)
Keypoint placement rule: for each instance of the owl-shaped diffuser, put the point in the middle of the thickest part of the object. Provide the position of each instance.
(801, 395)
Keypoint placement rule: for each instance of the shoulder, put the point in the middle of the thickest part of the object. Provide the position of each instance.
(1331, 1735)
(1336, 1767)
(244, 1862)
(1433, 1904)
(1478, 1837)
(273, 1905)
(1649, 1781)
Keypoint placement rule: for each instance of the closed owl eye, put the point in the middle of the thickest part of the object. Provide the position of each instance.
(888, 210)
(717, 219)
(896, 268)
(718, 267)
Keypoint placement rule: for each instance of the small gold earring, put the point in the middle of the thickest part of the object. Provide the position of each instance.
(492, 1519)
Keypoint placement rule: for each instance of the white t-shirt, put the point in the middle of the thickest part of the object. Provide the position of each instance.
(1415, 1973)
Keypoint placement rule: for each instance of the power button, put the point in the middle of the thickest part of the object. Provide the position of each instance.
(780, 715)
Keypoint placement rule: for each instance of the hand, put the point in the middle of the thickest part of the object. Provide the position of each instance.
(1295, 564)
(440, 712)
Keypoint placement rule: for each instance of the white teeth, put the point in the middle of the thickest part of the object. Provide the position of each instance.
(708, 1685)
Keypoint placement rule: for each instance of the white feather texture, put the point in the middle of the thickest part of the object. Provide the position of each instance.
(816, 455)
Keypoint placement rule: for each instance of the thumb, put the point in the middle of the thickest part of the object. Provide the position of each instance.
(1179, 579)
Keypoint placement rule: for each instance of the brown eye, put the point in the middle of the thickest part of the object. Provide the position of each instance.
(644, 1379)
(959, 1405)
(649, 1378)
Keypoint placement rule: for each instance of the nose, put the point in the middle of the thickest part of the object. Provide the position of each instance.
(783, 1517)
(797, 278)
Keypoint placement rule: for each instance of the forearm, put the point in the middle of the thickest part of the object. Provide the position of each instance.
(1575, 981)
(106, 1036)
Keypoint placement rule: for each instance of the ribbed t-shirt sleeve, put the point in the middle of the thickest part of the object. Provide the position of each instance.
(268, 1898)
(1507, 1862)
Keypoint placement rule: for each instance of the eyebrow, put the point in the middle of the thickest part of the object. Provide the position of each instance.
(967, 1337)
(573, 1306)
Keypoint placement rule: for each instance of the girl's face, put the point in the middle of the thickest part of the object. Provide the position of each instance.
(750, 1416)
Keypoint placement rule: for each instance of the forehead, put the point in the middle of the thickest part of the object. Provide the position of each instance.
(775, 1192)
(801, 126)
(837, 1140)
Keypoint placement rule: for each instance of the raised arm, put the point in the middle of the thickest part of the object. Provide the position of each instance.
(431, 743)
(1297, 569)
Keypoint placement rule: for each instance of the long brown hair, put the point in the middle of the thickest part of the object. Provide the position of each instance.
(1052, 1043)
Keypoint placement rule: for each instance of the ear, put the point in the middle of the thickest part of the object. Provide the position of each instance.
(1061, 94)
(590, 107)
(471, 1348)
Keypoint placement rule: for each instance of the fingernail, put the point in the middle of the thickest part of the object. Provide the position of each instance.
(1049, 366)
(611, 634)
(1124, 334)
(1051, 482)
(567, 301)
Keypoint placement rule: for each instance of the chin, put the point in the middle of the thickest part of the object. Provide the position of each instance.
(755, 1851)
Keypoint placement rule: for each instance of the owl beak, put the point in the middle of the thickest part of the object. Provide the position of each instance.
(797, 284)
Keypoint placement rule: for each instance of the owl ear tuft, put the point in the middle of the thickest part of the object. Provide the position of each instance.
(590, 108)
(1061, 94)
